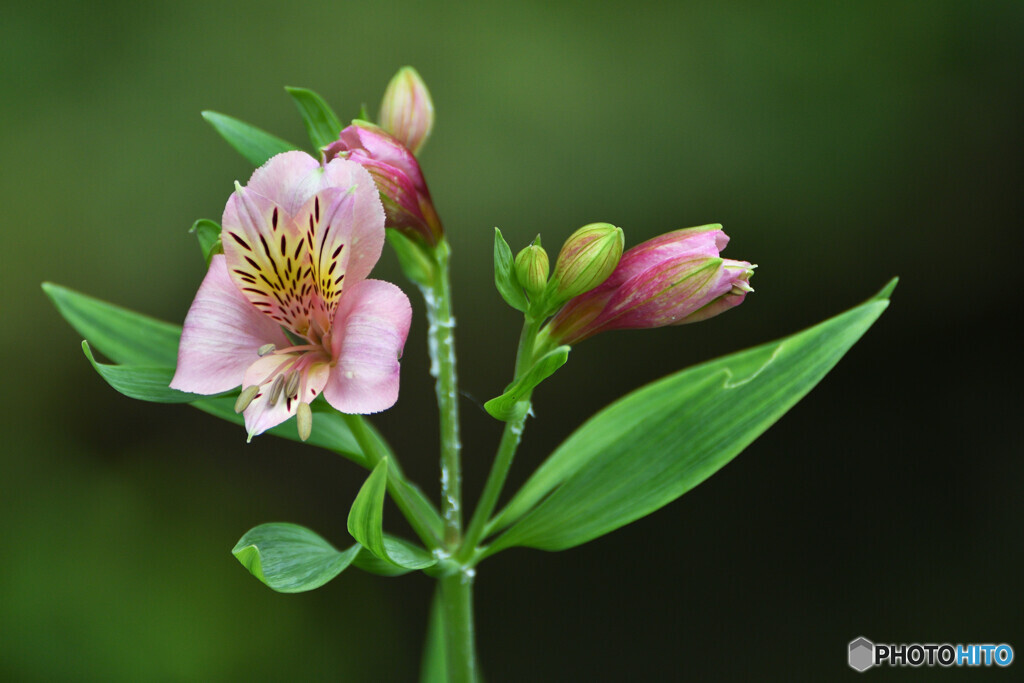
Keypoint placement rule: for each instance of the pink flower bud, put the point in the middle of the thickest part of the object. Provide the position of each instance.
(673, 279)
(403, 191)
(407, 112)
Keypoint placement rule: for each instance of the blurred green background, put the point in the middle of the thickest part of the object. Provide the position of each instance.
(839, 144)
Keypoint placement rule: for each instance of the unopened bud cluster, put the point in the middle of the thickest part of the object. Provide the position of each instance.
(673, 279)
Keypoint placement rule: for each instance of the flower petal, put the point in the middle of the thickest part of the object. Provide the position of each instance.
(369, 332)
(288, 180)
(366, 234)
(268, 258)
(222, 334)
(663, 295)
(678, 245)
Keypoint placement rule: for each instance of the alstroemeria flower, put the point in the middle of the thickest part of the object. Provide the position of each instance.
(403, 190)
(673, 279)
(287, 312)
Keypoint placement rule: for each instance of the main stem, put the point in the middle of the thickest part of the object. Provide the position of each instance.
(456, 586)
(441, 343)
(457, 598)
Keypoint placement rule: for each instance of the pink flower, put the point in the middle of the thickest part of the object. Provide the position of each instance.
(287, 312)
(673, 279)
(407, 202)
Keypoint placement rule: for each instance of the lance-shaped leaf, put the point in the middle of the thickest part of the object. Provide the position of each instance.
(290, 558)
(121, 335)
(322, 123)
(252, 143)
(505, 274)
(517, 394)
(139, 382)
(657, 443)
(208, 234)
(366, 524)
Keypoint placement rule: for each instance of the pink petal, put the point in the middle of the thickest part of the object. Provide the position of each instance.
(221, 335)
(288, 179)
(663, 295)
(366, 232)
(369, 332)
(678, 245)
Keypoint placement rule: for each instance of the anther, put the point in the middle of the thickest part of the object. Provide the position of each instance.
(291, 386)
(265, 349)
(275, 389)
(304, 420)
(246, 397)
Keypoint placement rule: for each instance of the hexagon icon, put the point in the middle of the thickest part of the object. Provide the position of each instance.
(862, 654)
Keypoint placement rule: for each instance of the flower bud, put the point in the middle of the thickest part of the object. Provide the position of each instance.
(673, 279)
(407, 112)
(403, 191)
(587, 258)
(532, 269)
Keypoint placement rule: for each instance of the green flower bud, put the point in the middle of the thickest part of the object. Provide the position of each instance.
(532, 270)
(586, 260)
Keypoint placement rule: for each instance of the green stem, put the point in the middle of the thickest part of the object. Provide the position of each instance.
(441, 344)
(495, 482)
(457, 598)
(510, 438)
(410, 505)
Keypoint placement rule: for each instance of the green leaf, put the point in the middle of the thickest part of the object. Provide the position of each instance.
(505, 274)
(252, 143)
(434, 666)
(366, 524)
(396, 547)
(517, 395)
(208, 233)
(121, 335)
(322, 123)
(657, 443)
(142, 383)
(290, 558)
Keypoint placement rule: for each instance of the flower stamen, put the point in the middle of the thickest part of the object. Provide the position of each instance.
(291, 385)
(275, 389)
(304, 420)
(246, 397)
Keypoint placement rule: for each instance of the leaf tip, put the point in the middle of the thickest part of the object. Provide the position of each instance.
(887, 291)
(249, 557)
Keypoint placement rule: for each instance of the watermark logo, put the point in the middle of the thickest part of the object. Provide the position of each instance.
(863, 654)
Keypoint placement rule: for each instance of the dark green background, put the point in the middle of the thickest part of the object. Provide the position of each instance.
(839, 144)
